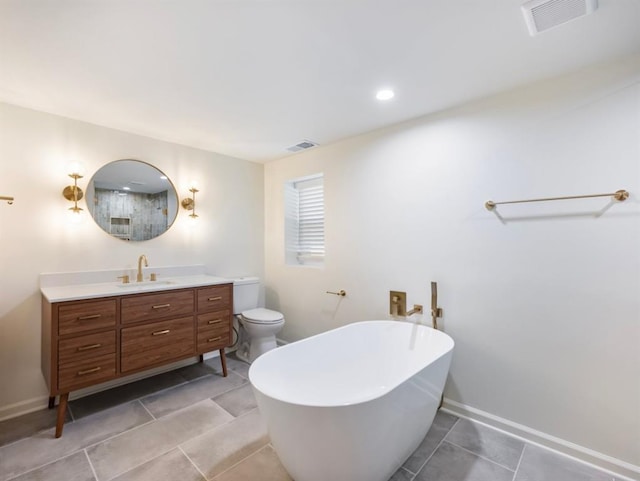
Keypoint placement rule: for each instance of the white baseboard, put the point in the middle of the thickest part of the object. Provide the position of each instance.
(23, 407)
(616, 467)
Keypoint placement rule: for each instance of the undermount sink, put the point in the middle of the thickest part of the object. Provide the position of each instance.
(145, 284)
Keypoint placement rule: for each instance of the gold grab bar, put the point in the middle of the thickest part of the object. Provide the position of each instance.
(619, 195)
(340, 293)
(7, 198)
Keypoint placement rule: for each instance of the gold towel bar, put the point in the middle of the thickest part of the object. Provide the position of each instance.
(619, 195)
(7, 198)
(340, 293)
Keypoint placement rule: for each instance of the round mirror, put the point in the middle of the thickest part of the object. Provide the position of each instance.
(132, 200)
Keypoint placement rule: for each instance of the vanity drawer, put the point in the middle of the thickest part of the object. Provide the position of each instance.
(86, 347)
(212, 340)
(86, 316)
(156, 306)
(82, 373)
(214, 297)
(215, 319)
(214, 330)
(156, 342)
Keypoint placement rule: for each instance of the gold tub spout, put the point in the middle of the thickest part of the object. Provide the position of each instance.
(417, 309)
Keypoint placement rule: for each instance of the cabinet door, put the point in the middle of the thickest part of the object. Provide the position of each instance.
(75, 375)
(156, 306)
(79, 349)
(157, 343)
(215, 298)
(77, 317)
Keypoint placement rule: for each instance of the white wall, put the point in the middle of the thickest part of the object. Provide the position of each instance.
(36, 236)
(543, 305)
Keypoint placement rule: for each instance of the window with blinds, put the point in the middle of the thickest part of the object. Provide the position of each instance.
(304, 221)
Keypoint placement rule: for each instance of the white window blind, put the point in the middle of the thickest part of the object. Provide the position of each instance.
(304, 221)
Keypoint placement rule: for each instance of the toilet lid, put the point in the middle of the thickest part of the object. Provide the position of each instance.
(262, 316)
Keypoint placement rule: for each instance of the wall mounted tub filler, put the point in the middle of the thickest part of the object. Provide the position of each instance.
(368, 411)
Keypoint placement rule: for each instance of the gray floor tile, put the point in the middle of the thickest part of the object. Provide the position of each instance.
(233, 442)
(238, 401)
(179, 397)
(27, 425)
(72, 468)
(451, 463)
(542, 465)
(169, 467)
(121, 453)
(488, 443)
(263, 465)
(441, 425)
(197, 370)
(402, 475)
(43, 448)
(129, 392)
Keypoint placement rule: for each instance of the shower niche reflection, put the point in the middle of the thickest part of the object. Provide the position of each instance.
(132, 200)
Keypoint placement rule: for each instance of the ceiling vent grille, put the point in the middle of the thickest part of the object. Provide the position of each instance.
(542, 15)
(304, 145)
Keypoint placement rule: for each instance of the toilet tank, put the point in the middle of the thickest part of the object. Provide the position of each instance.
(246, 294)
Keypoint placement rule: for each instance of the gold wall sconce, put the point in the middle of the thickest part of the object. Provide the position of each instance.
(74, 193)
(189, 203)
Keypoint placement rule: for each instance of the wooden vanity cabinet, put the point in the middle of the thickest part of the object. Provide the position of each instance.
(87, 342)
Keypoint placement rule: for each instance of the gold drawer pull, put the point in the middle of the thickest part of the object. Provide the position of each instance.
(160, 333)
(90, 346)
(214, 339)
(217, 298)
(86, 318)
(161, 306)
(215, 321)
(89, 371)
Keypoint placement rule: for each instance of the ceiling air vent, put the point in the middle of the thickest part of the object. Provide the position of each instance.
(542, 15)
(304, 145)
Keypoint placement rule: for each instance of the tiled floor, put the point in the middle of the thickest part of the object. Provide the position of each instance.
(192, 424)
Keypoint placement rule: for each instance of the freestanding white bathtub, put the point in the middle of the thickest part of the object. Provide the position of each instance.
(353, 403)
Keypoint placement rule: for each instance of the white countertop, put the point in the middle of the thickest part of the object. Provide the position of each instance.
(60, 287)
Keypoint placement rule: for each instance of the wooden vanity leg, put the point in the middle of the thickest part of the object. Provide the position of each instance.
(62, 412)
(201, 357)
(52, 402)
(223, 360)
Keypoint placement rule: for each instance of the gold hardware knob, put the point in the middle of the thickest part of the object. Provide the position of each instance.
(217, 298)
(214, 339)
(86, 318)
(125, 279)
(160, 333)
(215, 321)
(89, 347)
(161, 306)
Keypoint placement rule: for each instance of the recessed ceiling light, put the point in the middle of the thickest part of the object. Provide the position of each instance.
(384, 94)
(126, 188)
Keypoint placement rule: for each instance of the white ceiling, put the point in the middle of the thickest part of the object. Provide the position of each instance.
(249, 78)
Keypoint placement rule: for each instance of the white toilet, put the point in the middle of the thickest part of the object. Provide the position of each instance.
(260, 325)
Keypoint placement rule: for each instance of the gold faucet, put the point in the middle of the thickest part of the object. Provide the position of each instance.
(139, 277)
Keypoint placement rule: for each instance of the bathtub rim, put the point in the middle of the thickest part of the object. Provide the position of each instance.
(446, 352)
